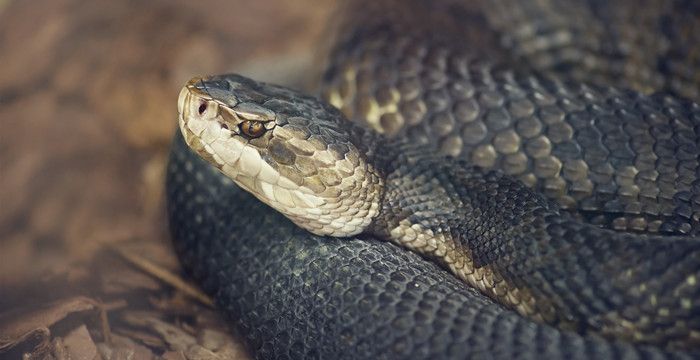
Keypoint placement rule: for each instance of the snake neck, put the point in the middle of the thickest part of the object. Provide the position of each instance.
(453, 214)
(500, 237)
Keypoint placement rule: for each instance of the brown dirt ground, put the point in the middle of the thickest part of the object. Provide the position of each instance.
(87, 104)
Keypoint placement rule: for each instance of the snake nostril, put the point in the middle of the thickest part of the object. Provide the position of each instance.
(202, 108)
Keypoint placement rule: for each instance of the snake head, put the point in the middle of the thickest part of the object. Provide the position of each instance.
(292, 151)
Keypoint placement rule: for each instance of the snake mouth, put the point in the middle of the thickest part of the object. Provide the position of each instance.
(203, 117)
(228, 133)
(203, 120)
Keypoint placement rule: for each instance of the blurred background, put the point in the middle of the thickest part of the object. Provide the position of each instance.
(88, 95)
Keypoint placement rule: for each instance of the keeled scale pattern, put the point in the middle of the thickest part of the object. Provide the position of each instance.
(622, 159)
(292, 295)
(647, 45)
(522, 251)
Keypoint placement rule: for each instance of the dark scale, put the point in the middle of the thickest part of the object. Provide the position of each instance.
(584, 236)
(538, 126)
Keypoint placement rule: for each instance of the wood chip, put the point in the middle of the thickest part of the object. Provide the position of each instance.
(79, 344)
(19, 326)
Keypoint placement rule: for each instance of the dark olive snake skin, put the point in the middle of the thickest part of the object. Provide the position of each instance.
(604, 248)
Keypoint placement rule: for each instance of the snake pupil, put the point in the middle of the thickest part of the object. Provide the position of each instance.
(252, 128)
(202, 108)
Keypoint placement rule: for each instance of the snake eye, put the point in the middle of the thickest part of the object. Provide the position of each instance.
(252, 128)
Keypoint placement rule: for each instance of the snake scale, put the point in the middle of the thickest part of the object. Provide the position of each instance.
(541, 159)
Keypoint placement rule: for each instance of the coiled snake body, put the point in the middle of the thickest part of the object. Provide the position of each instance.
(562, 199)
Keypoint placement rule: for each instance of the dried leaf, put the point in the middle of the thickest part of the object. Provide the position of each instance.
(123, 348)
(173, 355)
(209, 345)
(19, 326)
(79, 344)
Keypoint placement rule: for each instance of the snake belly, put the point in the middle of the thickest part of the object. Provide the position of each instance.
(577, 145)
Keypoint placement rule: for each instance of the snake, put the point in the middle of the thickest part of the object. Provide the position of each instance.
(502, 179)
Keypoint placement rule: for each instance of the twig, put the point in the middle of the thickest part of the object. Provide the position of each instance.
(165, 276)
